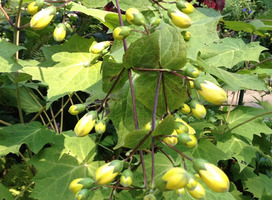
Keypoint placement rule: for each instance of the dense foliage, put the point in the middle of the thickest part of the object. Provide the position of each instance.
(123, 99)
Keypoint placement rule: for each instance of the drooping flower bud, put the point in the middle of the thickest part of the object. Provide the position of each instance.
(81, 183)
(211, 175)
(107, 172)
(185, 7)
(121, 32)
(85, 124)
(191, 130)
(191, 71)
(42, 18)
(76, 109)
(185, 109)
(210, 91)
(59, 33)
(198, 110)
(99, 47)
(198, 192)
(188, 140)
(134, 16)
(175, 178)
(179, 18)
(83, 194)
(172, 141)
(35, 6)
(100, 127)
(126, 178)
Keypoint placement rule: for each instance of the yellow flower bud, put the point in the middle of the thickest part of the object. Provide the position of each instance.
(191, 71)
(211, 92)
(134, 16)
(185, 7)
(121, 32)
(149, 197)
(59, 33)
(35, 6)
(186, 35)
(107, 172)
(180, 19)
(192, 183)
(185, 109)
(211, 175)
(76, 109)
(126, 178)
(99, 47)
(188, 140)
(42, 18)
(198, 110)
(80, 183)
(100, 127)
(148, 126)
(175, 178)
(171, 140)
(198, 192)
(180, 192)
(190, 131)
(85, 124)
(83, 194)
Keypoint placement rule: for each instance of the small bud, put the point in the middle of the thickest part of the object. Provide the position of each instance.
(175, 178)
(185, 7)
(179, 18)
(185, 109)
(81, 183)
(76, 109)
(107, 172)
(192, 183)
(100, 127)
(186, 35)
(85, 124)
(191, 130)
(191, 71)
(198, 110)
(211, 175)
(134, 16)
(42, 18)
(83, 194)
(188, 140)
(155, 21)
(172, 141)
(99, 47)
(180, 192)
(126, 178)
(181, 128)
(198, 192)
(59, 32)
(34, 7)
(149, 197)
(121, 32)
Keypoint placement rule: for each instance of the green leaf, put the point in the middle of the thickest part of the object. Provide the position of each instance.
(110, 72)
(95, 3)
(109, 19)
(71, 68)
(204, 21)
(149, 50)
(134, 138)
(57, 169)
(33, 134)
(4, 193)
(247, 130)
(230, 51)
(139, 4)
(239, 26)
(7, 62)
(235, 81)
(209, 151)
(166, 127)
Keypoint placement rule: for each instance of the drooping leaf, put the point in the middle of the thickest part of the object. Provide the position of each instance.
(33, 134)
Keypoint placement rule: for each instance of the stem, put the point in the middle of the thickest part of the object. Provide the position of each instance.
(144, 171)
(165, 96)
(154, 70)
(167, 156)
(63, 4)
(242, 123)
(156, 2)
(146, 29)
(121, 22)
(263, 61)
(23, 191)
(54, 120)
(61, 116)
(5, 123)
(17, 32)
(112, 87)
(6, 16)
(133, 100)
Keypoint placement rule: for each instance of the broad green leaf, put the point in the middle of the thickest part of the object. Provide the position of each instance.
(174, 89)
(247, 130)
(139, 4)
(263, 144)
(32, 134)
(149, 50)
(134, 138)
(109, 19)
(239, 26)
(7, 62)
(111, 70)
(235, 81)
(203, 30)
(239, 149)
(166, 127)
(209, 151)
(71, 68)
(56, 170)
(4, 193)
(230, 51)
(95, 3)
